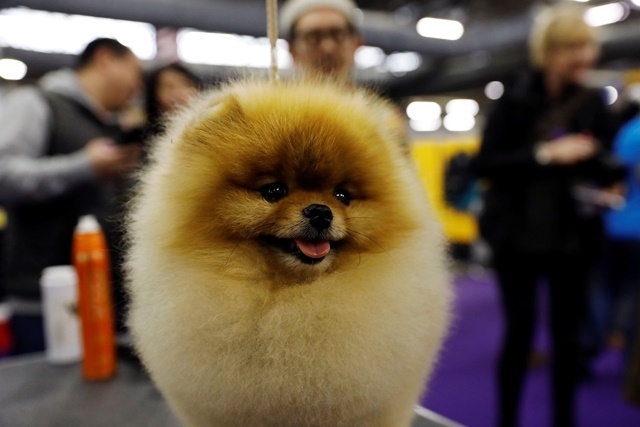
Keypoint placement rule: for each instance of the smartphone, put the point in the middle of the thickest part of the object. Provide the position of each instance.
(132, 136)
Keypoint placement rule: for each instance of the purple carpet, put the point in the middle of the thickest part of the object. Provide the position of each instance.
(463, 387)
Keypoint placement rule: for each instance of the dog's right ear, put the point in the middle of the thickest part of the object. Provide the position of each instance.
(224, 108)
(214, 120)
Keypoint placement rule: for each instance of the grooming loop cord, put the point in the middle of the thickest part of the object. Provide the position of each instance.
(272, 33)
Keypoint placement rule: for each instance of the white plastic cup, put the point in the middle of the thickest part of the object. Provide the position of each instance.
(5, 313)
(59, 285)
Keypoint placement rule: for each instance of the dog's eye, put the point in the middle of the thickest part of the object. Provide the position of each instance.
(342, 195)
(274, 191)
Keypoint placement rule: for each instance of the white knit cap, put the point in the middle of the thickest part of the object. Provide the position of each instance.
(294, 9)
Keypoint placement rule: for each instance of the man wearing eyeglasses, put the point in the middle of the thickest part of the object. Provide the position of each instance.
(323, 36)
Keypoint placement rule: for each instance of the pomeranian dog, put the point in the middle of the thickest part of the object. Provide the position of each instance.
(284, 267)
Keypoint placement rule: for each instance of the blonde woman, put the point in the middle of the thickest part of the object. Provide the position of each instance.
(545, 136)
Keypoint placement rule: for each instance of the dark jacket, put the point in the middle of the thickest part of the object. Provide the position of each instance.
(40, 233)
(529, 206)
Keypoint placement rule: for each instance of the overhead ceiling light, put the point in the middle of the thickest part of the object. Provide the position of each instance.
(199, 47)
(459, 122)
(494, 90)
(636, 2)
(12, 69)
(62, 33)
(426, 125)
(424, 111)
(400, 63)
(436, 28)
(606, 14)
(369, 56)
(467, 107)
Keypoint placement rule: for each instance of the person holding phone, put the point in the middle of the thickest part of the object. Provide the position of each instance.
(59, 160)
(546, 141)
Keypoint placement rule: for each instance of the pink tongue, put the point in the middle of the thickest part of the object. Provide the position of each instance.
(314, 249)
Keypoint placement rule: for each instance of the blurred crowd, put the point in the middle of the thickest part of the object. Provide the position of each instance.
(71, 143)
(64, 153)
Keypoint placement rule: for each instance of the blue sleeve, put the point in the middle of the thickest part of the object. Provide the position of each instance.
(626, 145)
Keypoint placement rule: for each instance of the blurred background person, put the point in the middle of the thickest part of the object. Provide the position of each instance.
(618, 296)
(60, 159)
(323, 36)
(631, 104)
(543, 136)
(612, 297)
(167, 88)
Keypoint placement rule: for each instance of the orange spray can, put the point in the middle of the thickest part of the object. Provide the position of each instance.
(91, 260)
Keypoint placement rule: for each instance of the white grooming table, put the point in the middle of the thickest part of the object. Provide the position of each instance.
(34, 393)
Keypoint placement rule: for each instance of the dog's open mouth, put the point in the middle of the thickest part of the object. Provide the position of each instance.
(306, 250)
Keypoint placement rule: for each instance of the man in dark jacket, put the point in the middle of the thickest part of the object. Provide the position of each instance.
(59, 160)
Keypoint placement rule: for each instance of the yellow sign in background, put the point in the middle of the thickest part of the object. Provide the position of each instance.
(431, 157)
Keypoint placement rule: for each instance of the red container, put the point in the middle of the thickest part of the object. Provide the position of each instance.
(6, 340)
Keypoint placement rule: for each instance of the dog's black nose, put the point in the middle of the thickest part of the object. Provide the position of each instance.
(320, 216)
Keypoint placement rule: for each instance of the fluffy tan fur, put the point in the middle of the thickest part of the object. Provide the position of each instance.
(237, 332)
